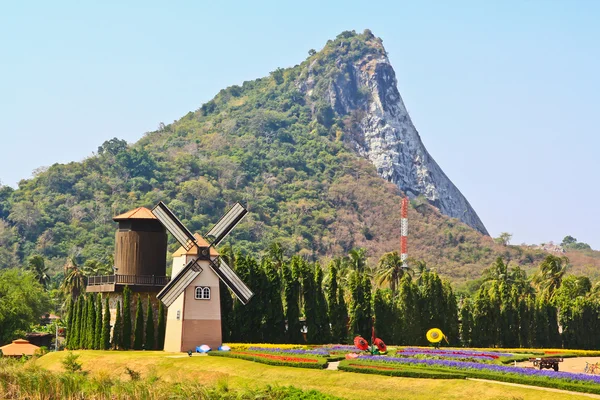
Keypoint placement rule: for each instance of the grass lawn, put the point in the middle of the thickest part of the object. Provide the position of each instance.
(240, 373)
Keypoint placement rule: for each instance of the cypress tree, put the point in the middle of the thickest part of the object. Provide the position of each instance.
(91, 321)
(149, 327)
(105, 336)
(226, 315)
(343, 315)
(292, 296)
(117, 336)
(466, 326)
(98, 324)
(71, 309)
(322, 316)
(160, 335)
(332, 302)
(126, 316)
(274, 316)
(138, 335)
(310, 303)
(83, 323)
(74, 340)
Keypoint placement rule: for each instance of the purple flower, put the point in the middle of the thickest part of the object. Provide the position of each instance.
(449, 353)
(316, 352)
(486, 367)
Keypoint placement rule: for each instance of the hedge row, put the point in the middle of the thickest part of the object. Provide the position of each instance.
(371, 368)
(320, 364)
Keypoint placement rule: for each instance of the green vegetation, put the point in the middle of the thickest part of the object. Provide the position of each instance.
(275, 359)
(31, 382)
(245, 375)
(364, 367)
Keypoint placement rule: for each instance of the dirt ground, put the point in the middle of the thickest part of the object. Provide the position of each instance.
(575, 365)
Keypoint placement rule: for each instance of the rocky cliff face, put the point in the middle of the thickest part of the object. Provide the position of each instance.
(379, 128)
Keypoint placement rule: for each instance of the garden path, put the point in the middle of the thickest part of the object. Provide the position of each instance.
(333, 366)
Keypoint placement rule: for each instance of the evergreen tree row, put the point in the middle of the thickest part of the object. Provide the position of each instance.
(88, 326)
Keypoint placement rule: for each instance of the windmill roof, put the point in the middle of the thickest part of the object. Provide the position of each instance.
(18, 348)
(194, 250)
(138, 213)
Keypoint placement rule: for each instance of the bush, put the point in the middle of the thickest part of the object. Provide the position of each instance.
(377, 369)
(319, 364)
(70, 362)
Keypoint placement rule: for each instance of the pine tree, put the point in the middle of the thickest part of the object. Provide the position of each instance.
(160, 339)
(117, 336)
(71, 311)
(98, 324)
(105, 336)
(126, 316)
(149, 327)
(138, 335)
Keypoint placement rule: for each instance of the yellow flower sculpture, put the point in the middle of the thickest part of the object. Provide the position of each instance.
(435, 335)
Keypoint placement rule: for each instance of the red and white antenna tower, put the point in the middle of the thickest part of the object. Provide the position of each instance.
(404, 231)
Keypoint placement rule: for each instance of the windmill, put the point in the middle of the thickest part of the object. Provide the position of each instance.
(192, 296)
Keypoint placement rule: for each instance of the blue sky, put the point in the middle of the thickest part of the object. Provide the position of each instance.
(505, 94)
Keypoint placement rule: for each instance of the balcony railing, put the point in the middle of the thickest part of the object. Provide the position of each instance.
(141, 280)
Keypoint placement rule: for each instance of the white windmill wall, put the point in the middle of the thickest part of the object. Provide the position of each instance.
(199, 320)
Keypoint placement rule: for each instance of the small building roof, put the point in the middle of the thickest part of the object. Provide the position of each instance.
(193, 251)
(138, 213)
(18, 348)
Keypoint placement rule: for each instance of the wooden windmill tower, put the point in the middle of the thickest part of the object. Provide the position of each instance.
(192, 296)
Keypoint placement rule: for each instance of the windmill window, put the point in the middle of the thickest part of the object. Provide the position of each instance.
(202, 293)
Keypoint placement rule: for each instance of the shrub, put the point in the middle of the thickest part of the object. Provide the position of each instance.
(70, 362)
(271, 359)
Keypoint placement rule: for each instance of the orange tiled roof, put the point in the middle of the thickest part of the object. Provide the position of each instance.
(138, 213)
(194, 250)
(18, 348)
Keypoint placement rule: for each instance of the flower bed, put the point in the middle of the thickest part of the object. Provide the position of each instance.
(366, 367)
(315, 352)
(451, 353)
(527, 376)
(274, 359)
(246, 346)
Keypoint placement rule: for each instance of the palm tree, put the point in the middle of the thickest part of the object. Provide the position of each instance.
(74, 282)
(357, 259)
(96, 268)
(551, 273)
(36, 265)
(391, 269)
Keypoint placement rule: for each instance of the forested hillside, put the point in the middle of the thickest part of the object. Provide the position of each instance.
(283, 152)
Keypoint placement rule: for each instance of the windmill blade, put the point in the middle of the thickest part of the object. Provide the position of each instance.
(173, 225)
(233, 282)
(226, 224)
(177, 285)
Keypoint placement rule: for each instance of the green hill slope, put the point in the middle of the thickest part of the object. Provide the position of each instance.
(265, 143)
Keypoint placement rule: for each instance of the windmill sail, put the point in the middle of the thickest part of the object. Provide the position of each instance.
(177, 285)
(230, 278)
(226, 224)
(173, 225)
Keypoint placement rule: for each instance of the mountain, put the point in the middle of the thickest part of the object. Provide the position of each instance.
(364, 92)
(321, 153)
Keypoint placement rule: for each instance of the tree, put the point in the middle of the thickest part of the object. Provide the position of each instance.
(160, 340)
(292, 296)
(70, 315)
(75, 339)
(504, 238)
(117, 336)
(335, 314)
(357, 259)
(74, 282)
(98, 325)
(391, 269)
(466, 326)
(149, 345)
(138, 335)
(226, 313)
(36, 265)
(126, 335)
(321, 314)
(105, 337)
(90, 328)
(550, 274)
